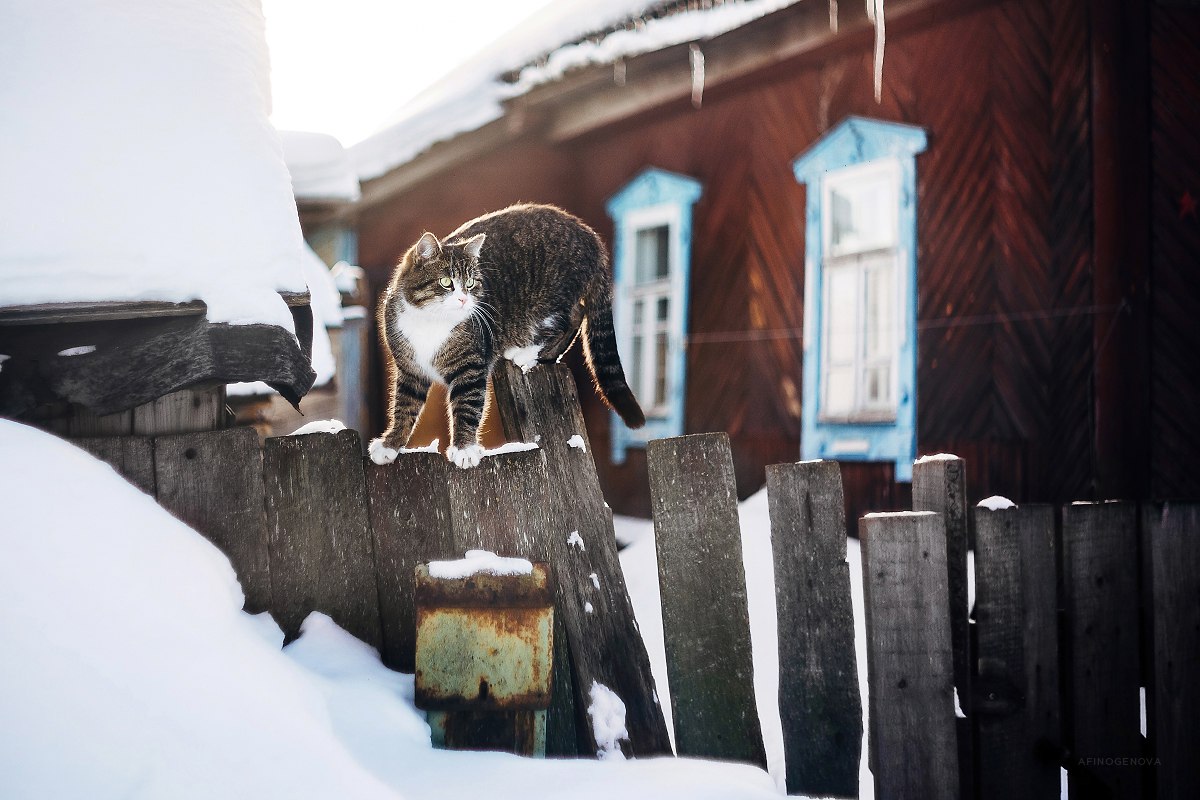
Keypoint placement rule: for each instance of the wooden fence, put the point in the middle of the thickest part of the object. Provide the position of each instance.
(1077, 614)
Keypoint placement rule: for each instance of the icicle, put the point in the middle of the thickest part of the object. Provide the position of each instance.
(697, 59)
(833, 9)
(875, 12)
(619, 72)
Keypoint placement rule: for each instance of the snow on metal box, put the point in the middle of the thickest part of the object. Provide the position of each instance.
(484, 642)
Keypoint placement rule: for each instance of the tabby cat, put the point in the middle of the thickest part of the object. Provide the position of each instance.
(518, 283)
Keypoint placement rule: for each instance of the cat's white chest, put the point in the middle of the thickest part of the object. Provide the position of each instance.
(426, 333)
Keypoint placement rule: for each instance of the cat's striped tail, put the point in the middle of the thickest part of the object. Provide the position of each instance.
(600, 350)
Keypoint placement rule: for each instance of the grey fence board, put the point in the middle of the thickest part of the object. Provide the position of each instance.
(543, 406)
(1017, 710)
(819, 702)
(699, 543)
(1100, 584)
(940, 485)
(320, 539)
(410, 522)
(214, 482)
(912, 739)
(1172, 536)
(131, 456)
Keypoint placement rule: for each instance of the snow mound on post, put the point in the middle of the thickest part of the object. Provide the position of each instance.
(479, 562)
(996, 503)
(138, 160)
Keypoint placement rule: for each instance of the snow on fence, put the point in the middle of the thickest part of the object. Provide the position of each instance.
(1077, 616)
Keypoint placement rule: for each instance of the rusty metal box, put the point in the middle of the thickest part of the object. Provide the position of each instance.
(484, 642)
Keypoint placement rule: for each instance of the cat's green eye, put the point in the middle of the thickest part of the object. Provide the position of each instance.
(446, 282)
(470, 283)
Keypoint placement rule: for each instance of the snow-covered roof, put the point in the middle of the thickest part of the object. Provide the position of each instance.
(320, 167)
(138, 159)
(565, 36)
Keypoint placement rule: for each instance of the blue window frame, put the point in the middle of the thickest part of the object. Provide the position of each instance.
(860, 293)
(651, 268)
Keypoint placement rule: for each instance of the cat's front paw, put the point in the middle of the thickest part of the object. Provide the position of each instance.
(380, 453)
(465, 457)
(524, 357)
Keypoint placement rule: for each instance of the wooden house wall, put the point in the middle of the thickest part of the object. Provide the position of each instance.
(1003, 269)
(1175, 230)
(1004, 226)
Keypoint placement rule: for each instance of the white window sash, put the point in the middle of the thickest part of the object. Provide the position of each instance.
(858, 265)
(630, 292)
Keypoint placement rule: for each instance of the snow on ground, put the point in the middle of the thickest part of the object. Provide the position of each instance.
(138, 159)
(129, 671)
(640, 565)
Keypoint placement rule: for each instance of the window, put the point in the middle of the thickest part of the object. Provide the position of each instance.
(859, 399)
(860, 336)
(651, 262)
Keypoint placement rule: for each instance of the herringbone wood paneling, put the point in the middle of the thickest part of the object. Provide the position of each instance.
(1175, 81)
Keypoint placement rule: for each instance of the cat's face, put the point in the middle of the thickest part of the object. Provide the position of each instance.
(443, 279)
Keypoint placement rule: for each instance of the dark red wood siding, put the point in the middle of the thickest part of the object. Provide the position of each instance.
(1005, 230)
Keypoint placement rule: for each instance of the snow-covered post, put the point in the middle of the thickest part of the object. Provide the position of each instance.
(1016, 708)
(702, 580)
(606, 647)
(819, 702)
(1103, 670)
(1172, 551)
(940, 484)
(911, 675)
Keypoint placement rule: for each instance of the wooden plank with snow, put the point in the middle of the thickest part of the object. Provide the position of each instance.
(131, 456)
(321, 552)
(819, 702)
(911, 674)
(1172, 539)
(410, 525)
(213, 481)
(939, 484)
(699, 545)
(606, 646)
(1100, 585)
(505, 505)
(1016, 708)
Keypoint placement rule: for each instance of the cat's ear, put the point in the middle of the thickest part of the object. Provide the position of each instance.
(428, 246)
(473, 245)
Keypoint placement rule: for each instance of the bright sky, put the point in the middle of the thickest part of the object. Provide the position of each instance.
(346, 67)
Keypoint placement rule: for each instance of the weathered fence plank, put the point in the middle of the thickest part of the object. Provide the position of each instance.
(410, 522)
(184, 411)
(913, 741)
(940, 484)
(819, 702)
(1172, 536)
(320, 539)
(505, 505)
(543, 406)
(1017, 714)
(699, 544)
(131, 456)
(1100, 585)
(213, 481)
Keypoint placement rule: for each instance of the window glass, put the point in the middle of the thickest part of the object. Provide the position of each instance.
(841, 315)
(862, 212)
(660, 370)
(663, 308)
(652, 259)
